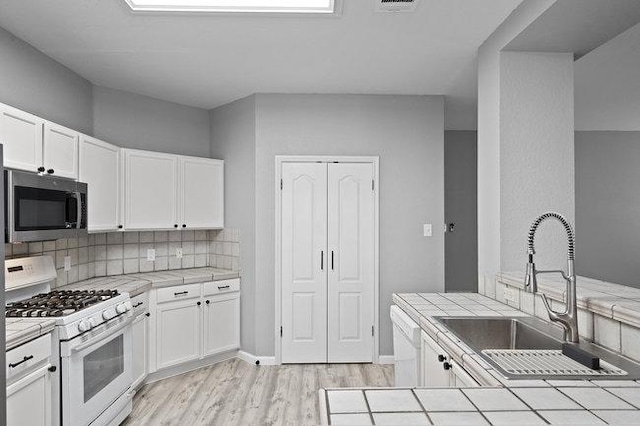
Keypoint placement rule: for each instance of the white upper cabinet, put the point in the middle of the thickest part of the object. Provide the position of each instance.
(33, 144)
(201, 193)
(100, 170)
(150, 190)
(60, 151)
(21, 135)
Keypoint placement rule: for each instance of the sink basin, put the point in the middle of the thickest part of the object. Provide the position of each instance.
(528, 340)
(504, 333)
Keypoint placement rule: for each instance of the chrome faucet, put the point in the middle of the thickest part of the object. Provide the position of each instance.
(569, 318)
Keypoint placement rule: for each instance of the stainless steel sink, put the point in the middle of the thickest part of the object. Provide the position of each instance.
(487, 334)
(504, 333)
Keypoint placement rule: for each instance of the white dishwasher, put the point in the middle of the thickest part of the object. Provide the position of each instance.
(406, 349)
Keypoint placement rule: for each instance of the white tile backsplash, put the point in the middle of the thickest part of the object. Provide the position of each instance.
(116, 253)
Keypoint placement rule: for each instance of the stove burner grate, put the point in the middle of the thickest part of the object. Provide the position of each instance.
(57, 303)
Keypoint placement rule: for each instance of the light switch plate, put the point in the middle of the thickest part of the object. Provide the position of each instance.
(67, 263)
(179, 252)
(151, 255)
(428, 232)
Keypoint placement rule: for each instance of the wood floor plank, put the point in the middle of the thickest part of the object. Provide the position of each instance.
(234, 392)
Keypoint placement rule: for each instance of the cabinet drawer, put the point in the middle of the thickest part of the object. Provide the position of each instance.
(181, 292)
(222, 286)
(24, 357)
(140, 303)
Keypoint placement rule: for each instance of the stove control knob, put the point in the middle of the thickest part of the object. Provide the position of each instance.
(121, 308)
(128, 305)
(84, 326)
(93, 322)
(108, 314)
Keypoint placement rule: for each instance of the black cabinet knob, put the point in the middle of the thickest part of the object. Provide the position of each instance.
(148, 314)
(199, 303)
(52, 368)
(50, 171)
(441, 358)
(207, 302)
(119, 226)
(184, 226)
(446, 366)
(175, 226)
(41, 169)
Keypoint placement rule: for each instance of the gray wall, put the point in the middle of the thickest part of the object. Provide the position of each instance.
(135, 121)
(407, 133)
(608, 206)
(233, 139)
(33, 82)
(460, 207)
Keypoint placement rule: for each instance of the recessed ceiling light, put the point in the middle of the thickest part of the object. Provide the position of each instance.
(234, 6)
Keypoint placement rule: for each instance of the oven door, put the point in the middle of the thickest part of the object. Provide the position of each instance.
(96, 371)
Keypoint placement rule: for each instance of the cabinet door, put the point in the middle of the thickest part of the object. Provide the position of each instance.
(21, 135)
(150, 190)
(60, 150)
(179, 332)
(221, 323)
(29, 399)
(139, 346)
(100, 170)
(202, 193)
(433, 372)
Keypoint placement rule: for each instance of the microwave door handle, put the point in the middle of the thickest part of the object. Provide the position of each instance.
(78, 209)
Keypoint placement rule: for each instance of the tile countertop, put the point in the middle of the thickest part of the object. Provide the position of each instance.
(22, 330)
(136, 284)
(498, 402)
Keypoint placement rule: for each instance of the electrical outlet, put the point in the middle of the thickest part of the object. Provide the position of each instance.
(509, 295)
(179, 252)
(67, 263)
(428, 232)
(151, 255)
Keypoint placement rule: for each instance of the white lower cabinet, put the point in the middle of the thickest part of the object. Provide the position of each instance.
(140, 339)
(29, 383)
(193, 321)
(438, 369)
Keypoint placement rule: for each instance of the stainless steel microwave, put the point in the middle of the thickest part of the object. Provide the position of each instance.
(40, 208)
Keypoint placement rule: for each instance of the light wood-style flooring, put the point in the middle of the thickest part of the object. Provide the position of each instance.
(235, 392)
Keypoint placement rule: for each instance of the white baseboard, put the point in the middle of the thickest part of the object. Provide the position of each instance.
(250, 358)
(386, 359)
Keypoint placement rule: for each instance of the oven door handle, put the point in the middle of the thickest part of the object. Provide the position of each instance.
(103, 336)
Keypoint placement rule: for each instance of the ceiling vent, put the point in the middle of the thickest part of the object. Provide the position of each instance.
(396, 5)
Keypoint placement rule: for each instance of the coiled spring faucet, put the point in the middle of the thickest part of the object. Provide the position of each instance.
(569, 318)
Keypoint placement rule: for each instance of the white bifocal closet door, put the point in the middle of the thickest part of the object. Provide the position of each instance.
(304, 263)
(350, 289)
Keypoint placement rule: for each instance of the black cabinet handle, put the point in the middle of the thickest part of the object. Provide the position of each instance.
(441, 358)
(332, 260)
(180, 292)
(446, 366)
(148, 314)
(175, 226)
(52, 368)
(50, 171)
(41, 169)
(138, 304)
(207, 302)
(199, 303)
(223, 287)
(25, 359)
(322, 260)
(184, 226)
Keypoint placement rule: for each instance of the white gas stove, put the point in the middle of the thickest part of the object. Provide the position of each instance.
(91, 342)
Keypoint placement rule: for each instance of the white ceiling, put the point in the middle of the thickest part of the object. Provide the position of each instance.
(607, 85)
(207, 61)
